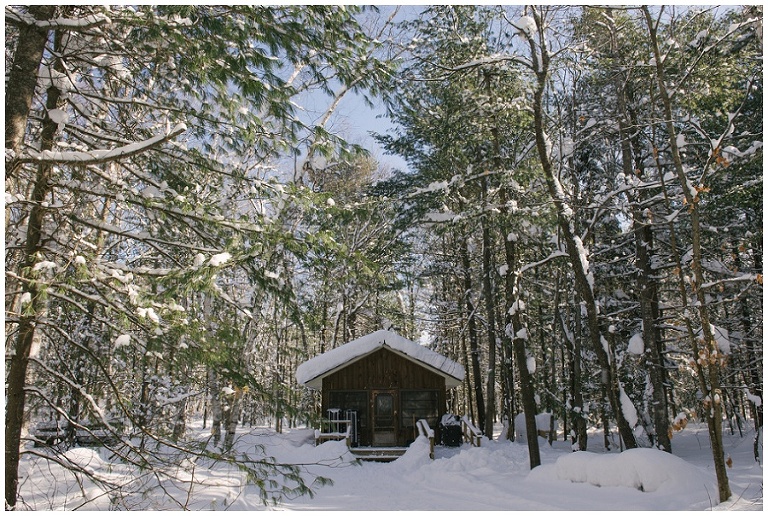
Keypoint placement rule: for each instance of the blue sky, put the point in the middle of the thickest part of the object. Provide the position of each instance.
(353, 119)
(362, 121)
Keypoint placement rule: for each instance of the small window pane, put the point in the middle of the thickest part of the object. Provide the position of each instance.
(350, 400)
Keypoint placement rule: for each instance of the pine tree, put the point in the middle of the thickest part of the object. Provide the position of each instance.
(135, 141)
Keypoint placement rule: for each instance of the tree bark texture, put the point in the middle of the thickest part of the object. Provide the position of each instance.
(474, 345)
(216, 410)
(22, 344)
(512, 333)
(488, 294)
(649, 305)
(578, 417)
(22, 79)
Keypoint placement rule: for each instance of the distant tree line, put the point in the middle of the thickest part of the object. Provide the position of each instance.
(589, 180)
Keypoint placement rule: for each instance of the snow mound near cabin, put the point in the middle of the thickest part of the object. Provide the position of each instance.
(644, 469)
(416, 456)
(296, 446)
(542, 424)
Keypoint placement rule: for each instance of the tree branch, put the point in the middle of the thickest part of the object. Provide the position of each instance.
(100, 156)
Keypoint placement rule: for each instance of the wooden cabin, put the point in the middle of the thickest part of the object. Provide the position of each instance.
(383, 383)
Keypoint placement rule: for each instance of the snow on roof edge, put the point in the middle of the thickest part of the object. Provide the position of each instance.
(319, 366)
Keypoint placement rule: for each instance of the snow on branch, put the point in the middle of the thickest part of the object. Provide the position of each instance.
(86, 22)
(491, 60)
(99, 156)
(736, 279)
(554, 255)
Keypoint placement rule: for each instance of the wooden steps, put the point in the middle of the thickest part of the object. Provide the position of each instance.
(378, 454)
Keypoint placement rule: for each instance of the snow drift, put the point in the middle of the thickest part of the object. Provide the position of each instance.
(644, 469)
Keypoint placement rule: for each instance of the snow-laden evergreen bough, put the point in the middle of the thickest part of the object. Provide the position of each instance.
(139, 139)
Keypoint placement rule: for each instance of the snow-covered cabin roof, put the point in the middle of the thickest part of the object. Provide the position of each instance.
(312, 372)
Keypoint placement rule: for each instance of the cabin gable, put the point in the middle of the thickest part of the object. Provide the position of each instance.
(312, 372)
(383, 369)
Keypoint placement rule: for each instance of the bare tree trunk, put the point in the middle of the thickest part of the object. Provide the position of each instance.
(579, 418)
(489, 294)
(649, 307)
(216, 413)
(527, 392)
(180, 418)
(514, 333)
(467, 380)
(508, 387)
(557, 318)
(231, 416)
(474, 344)
(22, 80)
(653, 356)
(511, 300)
(18, 362)
(752, 372)
(606, 422)
(709, 371)
(573, 243)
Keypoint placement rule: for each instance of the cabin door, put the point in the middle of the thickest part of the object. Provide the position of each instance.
(384, 418)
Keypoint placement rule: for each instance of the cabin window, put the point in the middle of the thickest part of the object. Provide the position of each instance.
(350, 400)
(415, 405)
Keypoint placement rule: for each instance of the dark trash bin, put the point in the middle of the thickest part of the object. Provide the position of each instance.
(450, 430)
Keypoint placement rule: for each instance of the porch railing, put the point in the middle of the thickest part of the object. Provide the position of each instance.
(334, 430)
(472, 434)
(427, 432)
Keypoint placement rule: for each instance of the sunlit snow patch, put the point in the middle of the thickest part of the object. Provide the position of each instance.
(644, 469)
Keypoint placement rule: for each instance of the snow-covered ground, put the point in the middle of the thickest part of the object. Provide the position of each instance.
(492, 477)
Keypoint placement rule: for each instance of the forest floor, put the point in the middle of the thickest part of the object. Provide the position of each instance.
(495, 476)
